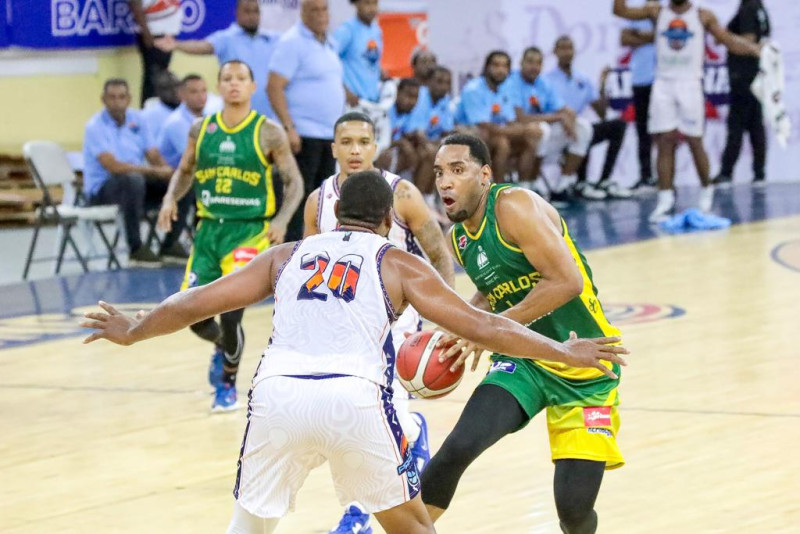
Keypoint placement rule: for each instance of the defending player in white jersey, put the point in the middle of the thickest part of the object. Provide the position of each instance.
(322, 390)
(677, 103)
(414, 230)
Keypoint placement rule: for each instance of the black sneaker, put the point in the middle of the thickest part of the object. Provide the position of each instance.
(175, 253)
(722, 180)
(143, 257)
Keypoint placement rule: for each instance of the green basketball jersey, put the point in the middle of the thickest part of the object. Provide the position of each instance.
(232, 178)
(503, 274)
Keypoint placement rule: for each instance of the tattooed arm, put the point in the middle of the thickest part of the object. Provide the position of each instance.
(275, 146)
(181, 181)
(411, 208)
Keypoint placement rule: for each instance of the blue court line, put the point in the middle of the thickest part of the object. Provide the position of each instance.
(775, 255)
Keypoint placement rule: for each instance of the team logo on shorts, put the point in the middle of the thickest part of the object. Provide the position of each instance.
(192, 279)
(244, 254)
(677, 34)
(594, 416)
(505, 367)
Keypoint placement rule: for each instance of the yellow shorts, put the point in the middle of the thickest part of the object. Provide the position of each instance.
(220, 248)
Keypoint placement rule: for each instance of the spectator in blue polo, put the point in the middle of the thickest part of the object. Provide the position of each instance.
(580, 93)
(157, 109)
(306, 91)
(486, 104)
(122, 165)
(360, 46)
(435, 105)
(242, 40)
(175, 133)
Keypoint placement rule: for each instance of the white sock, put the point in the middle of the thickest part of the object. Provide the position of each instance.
(666, 195)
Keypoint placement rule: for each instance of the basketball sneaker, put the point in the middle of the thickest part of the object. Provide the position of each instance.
(420, 450)
(225, 398)
(215, 370)
(354, 521)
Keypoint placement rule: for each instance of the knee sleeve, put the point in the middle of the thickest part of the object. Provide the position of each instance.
(232, 340)
(207, 329)
(576, 485)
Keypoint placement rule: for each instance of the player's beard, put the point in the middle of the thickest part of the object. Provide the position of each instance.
(679, 2)
(459, 216)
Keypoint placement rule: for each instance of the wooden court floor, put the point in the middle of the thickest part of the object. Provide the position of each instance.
(108, 439)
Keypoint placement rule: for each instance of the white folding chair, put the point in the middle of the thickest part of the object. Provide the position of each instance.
(50, 167)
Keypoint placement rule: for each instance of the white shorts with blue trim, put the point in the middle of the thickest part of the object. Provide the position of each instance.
(296, 424)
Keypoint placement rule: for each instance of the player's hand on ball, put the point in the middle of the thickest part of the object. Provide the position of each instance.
(460, 348)
(112, 325)
(592, 352)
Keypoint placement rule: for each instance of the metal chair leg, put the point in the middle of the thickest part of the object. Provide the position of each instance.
(29, 259)
(112, 258)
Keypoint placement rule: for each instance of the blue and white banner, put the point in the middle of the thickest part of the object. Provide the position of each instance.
(70, 24)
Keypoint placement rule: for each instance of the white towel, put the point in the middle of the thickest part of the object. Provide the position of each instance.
(768, 87)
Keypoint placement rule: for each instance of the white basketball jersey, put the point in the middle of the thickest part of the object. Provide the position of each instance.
(680, 44)
(400, 235)
(332, 314)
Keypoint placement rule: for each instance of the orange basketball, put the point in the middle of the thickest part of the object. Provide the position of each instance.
(419, 370)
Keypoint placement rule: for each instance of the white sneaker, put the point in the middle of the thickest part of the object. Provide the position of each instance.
(615, 190)
(590, 192)
(664, 206)
(706, 199)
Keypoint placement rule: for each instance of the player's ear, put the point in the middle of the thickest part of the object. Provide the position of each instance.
(486, 175)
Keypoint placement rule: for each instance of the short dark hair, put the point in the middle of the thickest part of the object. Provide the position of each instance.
(531, 50)
(234, 61)
(115, 81)
(477, 148)
(561, 39)
(442, 69)
(353, 116)
(493, 54)
(191, 78)
(418, 53)
(406, 83)
(365, 197)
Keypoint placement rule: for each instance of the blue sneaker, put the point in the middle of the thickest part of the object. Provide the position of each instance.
(354, 521)
(225, 398)
(215, 371)
(420, 451)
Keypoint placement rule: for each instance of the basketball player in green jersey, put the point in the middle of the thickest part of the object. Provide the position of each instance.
(518, 252)
(229, 158)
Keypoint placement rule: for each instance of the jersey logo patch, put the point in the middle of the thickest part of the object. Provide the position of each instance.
(594, 416)
(677, 34)
(227, 145)
(505, 367)
(211, 128)
(462, 241)
(482, 258)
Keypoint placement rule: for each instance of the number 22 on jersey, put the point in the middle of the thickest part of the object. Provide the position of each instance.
(342, 278)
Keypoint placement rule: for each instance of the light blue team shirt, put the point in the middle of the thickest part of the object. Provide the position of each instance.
(643, 58)
(533, 98)
(175, 135)
(128, 144)
(255, 50)
(480, 104)
(576, 91)
(315, 92)
(438, 118)
(361, 47)
(404, 123)
(154, 116)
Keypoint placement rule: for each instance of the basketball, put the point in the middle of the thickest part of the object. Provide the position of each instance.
(419, 369)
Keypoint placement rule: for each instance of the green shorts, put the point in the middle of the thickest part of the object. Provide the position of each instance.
(222, 247)
(582, 416)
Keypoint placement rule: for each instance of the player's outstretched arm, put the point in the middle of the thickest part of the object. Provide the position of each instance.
(734, 43)
(250, 285)
(621, 9)
(415, 282)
